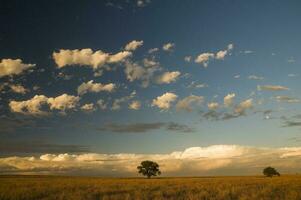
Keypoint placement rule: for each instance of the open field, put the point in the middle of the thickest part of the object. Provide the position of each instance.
(222, 188)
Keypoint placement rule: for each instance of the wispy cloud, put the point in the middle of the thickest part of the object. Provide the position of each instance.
(145, 127)
(271, 87)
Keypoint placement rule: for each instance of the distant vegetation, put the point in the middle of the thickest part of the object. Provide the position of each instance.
(149, 168)
(206, 188)
(270, 172)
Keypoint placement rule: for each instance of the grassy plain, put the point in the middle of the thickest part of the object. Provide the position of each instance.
(201, 188)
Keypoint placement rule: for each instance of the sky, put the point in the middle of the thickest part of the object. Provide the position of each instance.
(201, 87)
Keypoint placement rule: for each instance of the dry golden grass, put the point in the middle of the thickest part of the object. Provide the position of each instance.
(222, 188)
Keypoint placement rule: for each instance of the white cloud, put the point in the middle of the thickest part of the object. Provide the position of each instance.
(287, 99)
(187, 58)
(247, 52)
(18, 89)
(34, 105)
(228, 99)
(254, 77)
(291, 60)
(220, 55)
(153, 50)
(204, 58)
(194, 84)
(133, 45)
(150, 63)
(63, 102)
(134, 71)
(271, 87)
(143, 3)
(168, 47)
(213, 152)
(31, 107)
(117, 102)
(118, 57)
(102, 105)
(135, 105)
(87, 57)
(243, 106)
(168, 77)
(187, 102)
(89, 107)
(193, 161)
(164, 101)
(13, 67)
(213, 105)
(95, 87)
(292, 75)
(230, 46)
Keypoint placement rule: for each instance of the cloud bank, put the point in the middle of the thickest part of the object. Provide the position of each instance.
(86, 57)
(193, 161)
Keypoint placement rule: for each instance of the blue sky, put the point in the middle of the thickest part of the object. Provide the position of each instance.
(175, 64)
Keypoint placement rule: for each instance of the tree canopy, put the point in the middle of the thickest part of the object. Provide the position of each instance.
(270, 172)
(149, 168)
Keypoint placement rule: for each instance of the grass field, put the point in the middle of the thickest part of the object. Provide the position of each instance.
(222, 188)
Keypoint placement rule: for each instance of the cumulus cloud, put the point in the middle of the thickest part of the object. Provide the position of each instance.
(243, 106)
(228, 99)
(220, 55)
(32, 106)
(204, 58)
(10, 67)
(102, 104)
(168, 77)
(89, 107)
(168, 47)
(90, 86)
(63, 102)
(271, 87)
(117, 102)
(164, 101)
(135, 105)
(213, 105)
(187, 58)
(133, 45)
(153, 50)
(18, 89)
(196, 161)
(135, 71)
(187, 102)
(86, 57)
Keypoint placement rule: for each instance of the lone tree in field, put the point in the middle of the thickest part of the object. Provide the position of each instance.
(149, 168)
(270, 172)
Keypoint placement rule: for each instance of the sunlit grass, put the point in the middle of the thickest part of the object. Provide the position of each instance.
(222, 188)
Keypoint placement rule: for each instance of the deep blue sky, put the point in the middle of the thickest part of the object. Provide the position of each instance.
(267, 44)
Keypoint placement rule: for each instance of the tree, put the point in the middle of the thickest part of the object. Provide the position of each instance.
(270, 172)
(149, 168)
